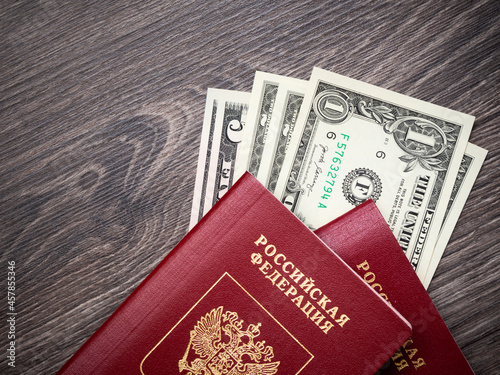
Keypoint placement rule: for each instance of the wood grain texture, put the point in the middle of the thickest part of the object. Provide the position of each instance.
(101, 108)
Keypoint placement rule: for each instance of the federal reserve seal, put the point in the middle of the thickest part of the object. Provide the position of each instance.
(360, 185)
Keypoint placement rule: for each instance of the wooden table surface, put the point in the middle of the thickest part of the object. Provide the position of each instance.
(101, 110)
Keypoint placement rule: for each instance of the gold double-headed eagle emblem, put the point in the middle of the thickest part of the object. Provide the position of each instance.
(235, 353)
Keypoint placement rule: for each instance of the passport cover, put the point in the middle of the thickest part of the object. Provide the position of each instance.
(362, 238)
(249, 290)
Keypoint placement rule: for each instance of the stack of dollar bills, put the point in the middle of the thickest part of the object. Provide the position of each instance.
(325, 145)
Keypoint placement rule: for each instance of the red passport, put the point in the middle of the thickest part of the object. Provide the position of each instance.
(249, 290)
(362, 238)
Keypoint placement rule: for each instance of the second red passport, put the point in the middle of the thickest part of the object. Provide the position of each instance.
(364, 240)
(250, 290)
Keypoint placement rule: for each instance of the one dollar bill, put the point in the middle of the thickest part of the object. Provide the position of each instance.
(471, 164)
(266, 105)
(287, 108)
(223, 125)
(354, 141)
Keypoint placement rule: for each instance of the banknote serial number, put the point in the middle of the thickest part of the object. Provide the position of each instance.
(331, 175)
